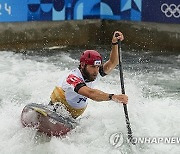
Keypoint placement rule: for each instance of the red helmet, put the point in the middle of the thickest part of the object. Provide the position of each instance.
(91, 57)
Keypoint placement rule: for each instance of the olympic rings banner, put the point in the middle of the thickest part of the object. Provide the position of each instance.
(164, 11)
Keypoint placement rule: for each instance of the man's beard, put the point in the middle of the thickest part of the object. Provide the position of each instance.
(87, 76)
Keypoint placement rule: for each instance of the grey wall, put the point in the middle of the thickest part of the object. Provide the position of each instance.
(138, 35)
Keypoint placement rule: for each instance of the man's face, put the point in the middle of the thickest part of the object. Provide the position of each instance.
(90, 71)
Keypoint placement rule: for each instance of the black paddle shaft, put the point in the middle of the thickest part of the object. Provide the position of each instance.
(123, 90)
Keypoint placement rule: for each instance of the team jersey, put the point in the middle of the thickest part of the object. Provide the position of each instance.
(66, 94)
(68, 85)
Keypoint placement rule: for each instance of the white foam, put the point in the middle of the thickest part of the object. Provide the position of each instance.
(25, 81)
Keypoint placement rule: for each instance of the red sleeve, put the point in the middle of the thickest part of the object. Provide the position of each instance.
(73, 80)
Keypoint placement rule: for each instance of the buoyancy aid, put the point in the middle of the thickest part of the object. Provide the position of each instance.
(58, 95)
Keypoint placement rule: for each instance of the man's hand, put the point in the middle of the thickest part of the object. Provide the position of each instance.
(122, 98)
(120, 37)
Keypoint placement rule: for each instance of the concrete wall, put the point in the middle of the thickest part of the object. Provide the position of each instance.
(138, 35)
(147, 36)
(33, 35)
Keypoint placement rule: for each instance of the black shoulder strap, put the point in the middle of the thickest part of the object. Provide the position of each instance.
(101, 71)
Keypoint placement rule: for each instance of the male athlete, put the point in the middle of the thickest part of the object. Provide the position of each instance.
(77, 86)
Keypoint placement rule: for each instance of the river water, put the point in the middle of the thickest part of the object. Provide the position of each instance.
(152, 82)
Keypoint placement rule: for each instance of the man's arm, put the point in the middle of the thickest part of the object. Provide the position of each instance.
(98, 95)
(113, 59)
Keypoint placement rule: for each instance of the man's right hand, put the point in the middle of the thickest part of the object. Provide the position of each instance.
(121, 98)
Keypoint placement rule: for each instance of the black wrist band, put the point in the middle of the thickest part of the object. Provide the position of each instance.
(114, 43)
(110, 96)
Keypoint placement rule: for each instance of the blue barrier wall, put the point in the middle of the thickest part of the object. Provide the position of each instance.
(163, 11)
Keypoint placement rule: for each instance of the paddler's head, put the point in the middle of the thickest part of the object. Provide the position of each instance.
(90, 61)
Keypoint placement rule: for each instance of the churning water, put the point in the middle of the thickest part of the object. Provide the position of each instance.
(152, 82)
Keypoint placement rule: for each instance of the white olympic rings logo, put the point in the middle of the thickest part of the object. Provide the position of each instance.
(171, 10)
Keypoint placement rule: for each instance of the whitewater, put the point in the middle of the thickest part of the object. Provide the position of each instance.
(152, 82)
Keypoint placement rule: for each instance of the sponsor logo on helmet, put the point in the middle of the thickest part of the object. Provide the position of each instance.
(97, 62)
